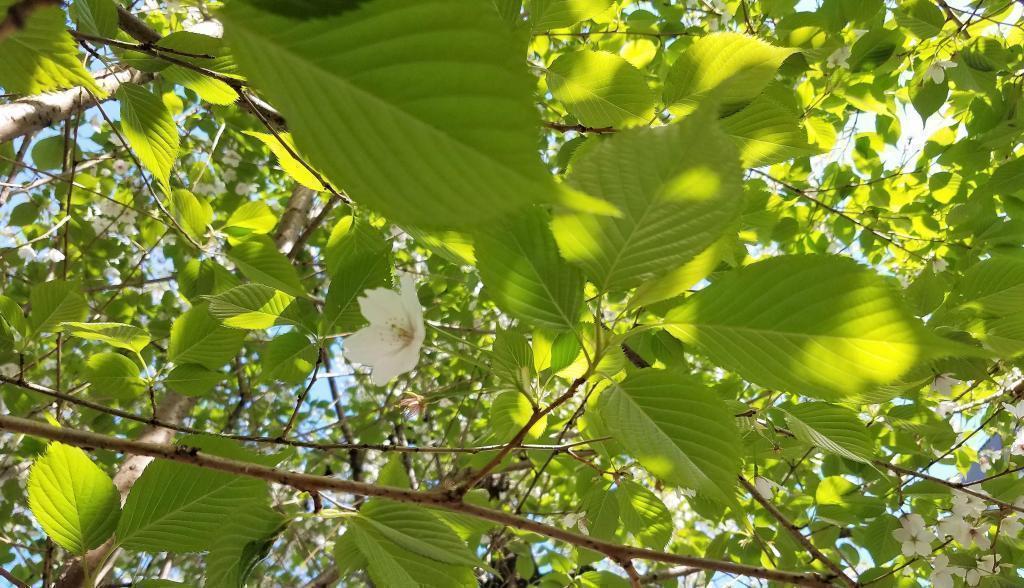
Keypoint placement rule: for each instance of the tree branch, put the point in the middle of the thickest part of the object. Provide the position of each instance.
(308, 482)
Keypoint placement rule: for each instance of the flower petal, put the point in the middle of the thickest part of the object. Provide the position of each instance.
(381, 305)
(372, 344)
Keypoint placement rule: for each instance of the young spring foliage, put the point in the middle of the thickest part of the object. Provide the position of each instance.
(543, 293)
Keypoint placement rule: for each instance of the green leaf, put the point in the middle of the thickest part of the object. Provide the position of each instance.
(677, 428)
(994, 286)
(679, 280)
(74, 501)
(522, 271)
(767, 133)
(821, 326)
(197, 337)
(253, 306)
(209, 89)
(240, 545)
(678, 188)
(556, 14)
(358, 258)
(41, 56)
(877, 538)
(448, 96)
(644, 515)
(601, 89)
(55, 302)
(12, 319)
(259, 260)
(510, 412)
(833, 428)
(192, 380)
(288, 358)
(149, 127)
(291, 166)
(408, 546)
(119, 335)
(728, 68)
(194, 215)
(95, 17)
(182, 508)
(112, 374)
(251, 217)
(923, 18)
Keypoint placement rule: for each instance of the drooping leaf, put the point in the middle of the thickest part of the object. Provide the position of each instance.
(149, 127)
(73, 500)
(192, 213)
(209, 89)
(42, 56)
(291, 166)
(678, 188)
(522, 270)
(448, 95)
(821, 326)
(117, 334)
(677, 429)
(601, 89)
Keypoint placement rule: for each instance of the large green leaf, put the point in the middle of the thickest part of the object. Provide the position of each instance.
(522, 270)
(288, 358)
(117, 334)
(820, 326)
(95, 17)
(678, 188)
(240, 545)
(833, 428)
(601, 89)
(556, 14)
(197, 337)
(358, 258)
(728, 68)
(149, 127)
(42, 56)
(767, 133)
(74, 501)
(994, 286)
(442, 104)
(644, 514)
(55, 302)
(112, 374)
(258, 258)
(255, 306)
(180, 508)
(192, 380)
(677, 428)
(408, 546)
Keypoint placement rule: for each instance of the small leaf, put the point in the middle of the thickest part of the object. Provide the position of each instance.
(291, 166)
(253, 306)
(194, 215)
(255, 217)
(74, 501)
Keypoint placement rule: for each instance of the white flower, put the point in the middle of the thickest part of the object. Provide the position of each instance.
(111, 274)
(1016, 410)
(242, 188)
(964, 532)
(914, 538)
(945, 408)
(839, 57)
(26, 253)
(937, 70)
(229, 175)
(939, 265)
(120, 167)
(943, 384)
(1011, 525)
(765, 487)
(8, 370)
(54, 255)
(942, 573)
(1017, 447)
(988, 565)
(391, 344)
(967, 505)
(231, 158)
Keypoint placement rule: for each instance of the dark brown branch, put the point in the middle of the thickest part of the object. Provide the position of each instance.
(311, 483)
